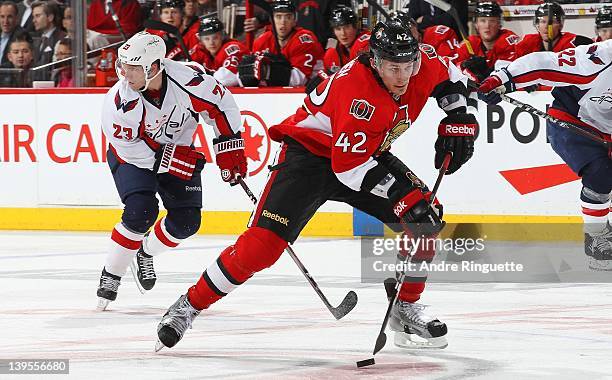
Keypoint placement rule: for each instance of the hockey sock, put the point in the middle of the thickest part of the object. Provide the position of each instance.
(159, 239)
(124, 245)
(255, 250)
(595, 210)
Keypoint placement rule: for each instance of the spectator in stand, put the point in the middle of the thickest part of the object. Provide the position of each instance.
(20, 56)
(24, 16)
(441, 37)
(190, 14)
(285, 56)
(99, 19)
(62, 76)
(47, 21)
(350, 41)
(206, 6)
(217, 52)
(171, 13)
(493, 46)
(8, 27)
(427, 15)
(540, 41)
(603, 23)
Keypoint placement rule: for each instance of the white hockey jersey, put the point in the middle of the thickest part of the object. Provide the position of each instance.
(582, 77)
(135, 126)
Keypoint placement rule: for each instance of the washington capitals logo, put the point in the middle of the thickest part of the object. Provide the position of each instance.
(593, 57)
(198, 76)
(125, 105)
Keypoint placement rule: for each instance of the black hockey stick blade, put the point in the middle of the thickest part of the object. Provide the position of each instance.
(348, 303)
(380, 342)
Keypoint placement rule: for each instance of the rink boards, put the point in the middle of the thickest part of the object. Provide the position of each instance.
(55, 174)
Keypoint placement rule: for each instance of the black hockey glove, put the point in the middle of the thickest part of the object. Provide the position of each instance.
(279, 70)
(476, 67)
(456, 134)
(250, 70)
(319, 77)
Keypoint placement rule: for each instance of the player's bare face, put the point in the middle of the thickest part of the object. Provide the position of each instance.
(542, 28)
(346, 34)
(172, 16)
(395, 75)
(605, 33)
(488, 28)
(134, 74)
(284, 24)
(212, 42)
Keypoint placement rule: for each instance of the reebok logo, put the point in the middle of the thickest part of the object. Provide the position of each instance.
(193, 188)
(463, 130)
(399, 208)
(275, 217)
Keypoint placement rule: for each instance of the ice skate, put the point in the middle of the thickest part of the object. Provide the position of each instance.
(415, 329)
(175, 322)
(598, 248)
(107, 290)
(143, 271)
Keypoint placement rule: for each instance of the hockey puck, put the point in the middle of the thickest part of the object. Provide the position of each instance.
(365, 363)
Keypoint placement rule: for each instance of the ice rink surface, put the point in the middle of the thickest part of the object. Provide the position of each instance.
(275, 327)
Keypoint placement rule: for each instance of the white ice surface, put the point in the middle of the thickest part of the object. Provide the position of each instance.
(275, 327)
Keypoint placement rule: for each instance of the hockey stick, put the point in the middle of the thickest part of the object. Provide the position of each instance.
(109, 4)
(381, 340)
(154, 24)
(379, 8)
(563, 124)
(349, 301)
(446, 7)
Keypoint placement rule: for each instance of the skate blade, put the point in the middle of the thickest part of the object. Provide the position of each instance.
(134, 270)
(102, 304)
(414, 341)
(159, 345)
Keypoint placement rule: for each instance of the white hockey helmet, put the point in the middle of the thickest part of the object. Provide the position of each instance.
(142, 49)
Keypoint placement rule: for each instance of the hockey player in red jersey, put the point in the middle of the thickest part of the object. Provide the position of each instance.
(603, 23)
(491, 45)
(149, 118)
(217, 52)
(285, 55)
(540, 41)
(351, 41)
(336, 147)
(582, 96)
(171, 13)
(440, 37)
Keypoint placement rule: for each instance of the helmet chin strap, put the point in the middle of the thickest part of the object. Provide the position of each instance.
(148, 80)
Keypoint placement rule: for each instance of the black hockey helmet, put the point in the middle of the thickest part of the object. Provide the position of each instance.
(604, 17)
(488, 9)
(391, 40)
(342, 15)
(403, 17)
(178, 4)
(209, 25)
(557, 12)
(283, 6)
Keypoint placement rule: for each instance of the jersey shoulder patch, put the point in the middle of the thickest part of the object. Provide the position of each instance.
(232, 49)
(305, 38)
(513, 39)
(428, 50)
(361, 109)
(364, 37)
(441, 29)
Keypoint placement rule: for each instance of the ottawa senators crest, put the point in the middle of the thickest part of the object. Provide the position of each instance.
(401, 123)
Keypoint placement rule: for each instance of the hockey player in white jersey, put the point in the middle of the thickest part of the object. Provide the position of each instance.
(149, 119)
(582, 81)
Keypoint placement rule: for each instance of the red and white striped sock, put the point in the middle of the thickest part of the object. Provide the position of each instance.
(159, 239)
(595, 210)
(123, 247)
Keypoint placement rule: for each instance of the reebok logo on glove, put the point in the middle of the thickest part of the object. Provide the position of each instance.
(399, 208)
(459, 130)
